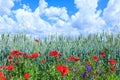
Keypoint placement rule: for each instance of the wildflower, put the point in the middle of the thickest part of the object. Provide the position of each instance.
(72, 58)
(36, 40)
(34, 55)
(88, 67)
(24, 54)
(54, 53)
(62, 69)
(43, 60)
(10, 56)
(26, 76)
(112, 61)
(103, 54)
(1, 74)
(77, 59)
(10, 67)
(13, 53)
(100, 73)
(112, 68)
(2, 78)
(91, 77)
(95, 58)
(84, 75)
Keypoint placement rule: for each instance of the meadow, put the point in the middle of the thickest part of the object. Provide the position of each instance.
(94, 57)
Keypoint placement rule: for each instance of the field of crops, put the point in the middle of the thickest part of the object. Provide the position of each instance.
(95, 57)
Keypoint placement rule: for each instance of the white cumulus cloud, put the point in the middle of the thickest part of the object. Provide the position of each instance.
(56, 12)
(5, 6)
(111, 13)
(87, 19)
(6, 24)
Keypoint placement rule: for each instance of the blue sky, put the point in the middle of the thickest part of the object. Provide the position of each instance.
(102, 4)
(68, 17)
(69, 4)
(57, 3)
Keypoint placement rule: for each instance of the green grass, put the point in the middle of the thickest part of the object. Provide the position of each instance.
(83, 47)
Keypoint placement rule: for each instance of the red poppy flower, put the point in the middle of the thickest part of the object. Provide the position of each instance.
(1, 74)
(2, 78)
(54, 53)
(13, 53)
(112, 68)
(10, 67)
(24, 54)
(62, 69)
(10, 56)
(77, 59)
(95, 58)
(72, 58)
(112, 61)
(36, 40)
(103, 54)
(17, 56)
(26, 76)
(43, 60)
(34, 55)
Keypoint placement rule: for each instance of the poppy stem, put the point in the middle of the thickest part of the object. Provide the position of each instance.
(63, 78)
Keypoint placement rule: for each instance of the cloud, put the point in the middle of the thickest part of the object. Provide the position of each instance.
(56, 12)
(41, 8)
(29, 22)
(32, 23)
(111, 13)
(6, 24)
(87, 19)
(5, 6)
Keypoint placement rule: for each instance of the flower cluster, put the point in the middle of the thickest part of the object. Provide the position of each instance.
(62, 69)
(91, 70)
(13, 59)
